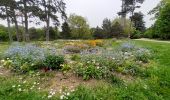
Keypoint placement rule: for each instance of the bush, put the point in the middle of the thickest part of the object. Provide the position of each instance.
(75, 57)
(91, 69)
(54, 62)
(26, 57)
(72, 49)
(151, 33)
(143, 55)
(127, 58)
(136, 34)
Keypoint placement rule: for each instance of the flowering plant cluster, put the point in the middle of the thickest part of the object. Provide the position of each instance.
(127, 59)
(28, 57)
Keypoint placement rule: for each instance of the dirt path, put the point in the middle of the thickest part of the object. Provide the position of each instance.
(152, 40)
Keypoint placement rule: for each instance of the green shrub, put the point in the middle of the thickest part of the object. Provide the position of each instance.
(90, 70)
(136, 34)
(54, 62)
(75, 57)
(143, 55)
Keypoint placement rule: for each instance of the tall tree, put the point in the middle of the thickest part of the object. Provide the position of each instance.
(27, 8)
(138, 21)
(5, 14)
(13, 9)
(79, 26)
(98, 33)
(107, 27)
(163, 22)
(66, 31)
(117, 30)
(48, 12)
(129, 6)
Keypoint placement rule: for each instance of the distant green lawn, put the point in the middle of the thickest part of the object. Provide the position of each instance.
(154, 87)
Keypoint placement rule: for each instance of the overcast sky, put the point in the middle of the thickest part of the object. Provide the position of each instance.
(96, 10)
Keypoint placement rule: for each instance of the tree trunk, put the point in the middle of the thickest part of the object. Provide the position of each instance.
(47, 30)
(131, 26)
(9, 26)
(26, 22)
(16, 27)
(47, 10)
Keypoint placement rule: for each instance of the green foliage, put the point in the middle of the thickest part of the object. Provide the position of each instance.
(126, 29)
(136, 34)
(3, 33)
(98, 33)
(162, 24)
(107, 28)
(65, 68)
(75, 57)
(90, 70)
(79, 27)
(138, 21)
(117, 30)
(66, 32)
(54, 62)
(151, 32)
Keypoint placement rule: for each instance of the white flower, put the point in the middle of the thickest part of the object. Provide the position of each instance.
(49, 96)
(62, 97)
(60, 90)
(13, 86)
(19, 89)
(7, 58)
(72, 90)
(19, 85)
(2, 61)
(53, 93)
(35, 83)
(39, 88)
(68, 94)
(38, 83)
(113, 58)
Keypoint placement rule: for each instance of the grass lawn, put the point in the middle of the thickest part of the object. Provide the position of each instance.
(153, 85)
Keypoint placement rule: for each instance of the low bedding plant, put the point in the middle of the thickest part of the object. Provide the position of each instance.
(24, 58)
(126, 59)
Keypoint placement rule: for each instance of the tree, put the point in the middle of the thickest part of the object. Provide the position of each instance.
(107, 27)
(117, 30)
(79, 27)
(5, 14)
(13, 8)
(3, 33)
(66, 32)
(49, 10)
(25, 6)
(138, 22)
(126, 28)
(163, 22)
(128, 6)
(156, 10)
(98, 33)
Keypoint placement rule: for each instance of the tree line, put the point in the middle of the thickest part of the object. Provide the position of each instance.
(161, 28)
(20, 13)
(27, 11)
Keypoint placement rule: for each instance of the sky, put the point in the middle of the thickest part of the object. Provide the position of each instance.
(96, 10)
